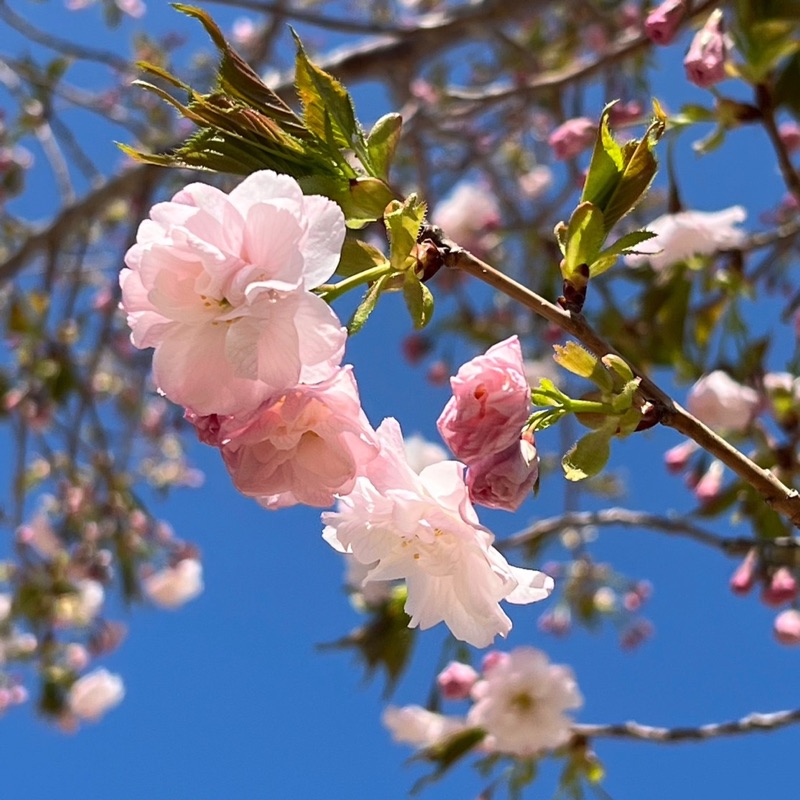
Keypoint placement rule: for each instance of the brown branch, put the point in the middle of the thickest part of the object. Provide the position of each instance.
(630, 519)
(781, 498)
(766, 106)
(752, 723)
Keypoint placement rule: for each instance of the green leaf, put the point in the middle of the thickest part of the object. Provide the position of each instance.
(382, 143)
(403, 224)
(585, 235)
(447, 753)
(605, 167)
(363, 200)
(581, 362)
(588, 456)
(419, 300)
(358, 257)
(324, 98)
(367, 305)
(711, 142)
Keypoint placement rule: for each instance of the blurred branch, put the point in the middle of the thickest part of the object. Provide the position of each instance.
(752, 723)
(766, 106)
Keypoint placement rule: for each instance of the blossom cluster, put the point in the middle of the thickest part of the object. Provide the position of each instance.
(222, 286)
(519, 700)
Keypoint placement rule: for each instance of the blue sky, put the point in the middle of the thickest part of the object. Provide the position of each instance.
(228, 698)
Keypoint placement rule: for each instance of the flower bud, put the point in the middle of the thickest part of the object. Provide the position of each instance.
(676, 458)
(744, 578)
(721, 403)
(94, 694)
(787, 627)
(456, 680)
(708, 487)
(705, 61)
(781, 589)
(493, 659)
(663, 22)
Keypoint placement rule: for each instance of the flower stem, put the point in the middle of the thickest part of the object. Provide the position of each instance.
(331, 291)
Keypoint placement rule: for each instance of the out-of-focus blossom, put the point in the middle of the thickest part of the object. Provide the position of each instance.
(677, 458)
(39, 535)
(6, 602)
(505, 480)
(492, 659)
(723, 404)
(572, 137)
(521, 703)
(469, 216)
(133, 8)
(171, 587)
(689, 233)
(664, 21)
(787, 627)
(304, 445)
(456, 680)
(625, 113)
(423, 529)
(782, 588)
(709, 485)
(82, 606)
(421, 453)
(789, 133)
(244, 31)
(95, 693)
(490, 403)
(534, 183)
(705, 61)
(419, 727)
(219, 284)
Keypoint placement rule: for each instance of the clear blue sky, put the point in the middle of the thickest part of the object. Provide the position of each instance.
(227, 697)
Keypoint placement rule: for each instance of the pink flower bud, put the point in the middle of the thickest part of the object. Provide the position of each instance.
(676, 458)
(456, 680)
(787, 627)
(505, 480)
(492, 659)
(723, 404)
(744, 578)
(663, 23)
(781, 589)
(790, 135)
(631, 601)
(572, 137)
(708, 487)
(625, 113)
(490, 404)
(705, 61)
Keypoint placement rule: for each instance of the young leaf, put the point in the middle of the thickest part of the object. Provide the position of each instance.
(585, 235)
(358, 257)
(419, 300)
(588, 455)
(403, 223)
(381, 144)
(367, 305)
(605, 167)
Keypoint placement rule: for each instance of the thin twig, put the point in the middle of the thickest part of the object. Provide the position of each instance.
(767, 108)
(752, 723)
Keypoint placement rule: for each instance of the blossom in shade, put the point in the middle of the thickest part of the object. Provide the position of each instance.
(94, 694)
(219, 284)
(705, 61)
(469, 216)
(787, 627)
(534, 183)
(422, 528)
(721, 403)
(173, 586)
(521, 703)
(456, 680)
(664, 21)
(419, 727)
(572, 137)
(490, 403)
(304, 445)
(789, 133)
(504, 480)
(689, 233)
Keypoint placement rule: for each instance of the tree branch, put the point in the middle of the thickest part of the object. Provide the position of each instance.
(778, 496)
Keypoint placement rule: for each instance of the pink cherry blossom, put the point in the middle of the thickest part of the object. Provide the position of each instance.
(419, 727)
(744, 578)
(219, 284)
(789, 133)
(664, 22)
(304, 445)
(705, 61)
(173, 586)
(505, 479)
(689, 233)
(423, 529)
(572, 137)
(723, 404)
(456, 680)
(782, 588)
(709, 485)
(787, 627)
(677, 458)
(521, 703)
(468, 217)
(490, 403)
(94, 694)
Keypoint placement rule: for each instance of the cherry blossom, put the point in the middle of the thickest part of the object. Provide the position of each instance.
(689, 233)
(423, 528)
(219, 284)
(468, 216)
(173, 586)
(521, 702)
(787, 627)
(705, 61)
(722, 403)
(421, 453)
(94, 694)
(572, 137)
(418, 726)
(504, 480)
(456, 680)
(664, 21)
(304, 445)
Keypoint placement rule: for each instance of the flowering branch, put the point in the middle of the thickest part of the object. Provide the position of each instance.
(781, 498)
(752, 723)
